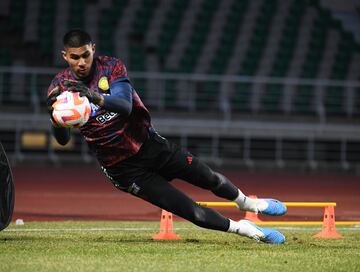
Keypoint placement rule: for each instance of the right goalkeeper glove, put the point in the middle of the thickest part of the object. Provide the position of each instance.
(50, 100)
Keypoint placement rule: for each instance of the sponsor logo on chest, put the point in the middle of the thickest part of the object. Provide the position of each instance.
(103, 118)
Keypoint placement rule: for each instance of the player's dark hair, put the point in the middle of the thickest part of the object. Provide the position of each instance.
(76, 38)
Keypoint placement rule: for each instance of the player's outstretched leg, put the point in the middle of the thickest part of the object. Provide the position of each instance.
(249, 229)
(158, 191)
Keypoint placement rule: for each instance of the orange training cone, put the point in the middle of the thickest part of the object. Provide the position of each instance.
(166, 228)
(328, 227)
(251, 216)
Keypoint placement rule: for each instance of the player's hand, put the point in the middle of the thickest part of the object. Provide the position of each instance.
(83, 90)
(50, 100)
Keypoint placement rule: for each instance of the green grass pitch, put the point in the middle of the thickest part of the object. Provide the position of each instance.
(127, 246)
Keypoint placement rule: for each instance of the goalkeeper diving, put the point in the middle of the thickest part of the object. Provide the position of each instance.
(134, 156)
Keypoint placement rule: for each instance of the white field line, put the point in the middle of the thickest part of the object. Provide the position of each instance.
(147, 229)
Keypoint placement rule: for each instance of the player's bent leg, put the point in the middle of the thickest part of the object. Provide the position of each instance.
(226, 189)
(201, 175)
(266, 206)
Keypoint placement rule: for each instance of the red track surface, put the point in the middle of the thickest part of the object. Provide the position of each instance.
(85, 194)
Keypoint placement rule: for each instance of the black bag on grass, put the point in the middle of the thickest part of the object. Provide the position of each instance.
(7, 190)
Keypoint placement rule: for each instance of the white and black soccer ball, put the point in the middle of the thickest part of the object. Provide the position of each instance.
(71, 110)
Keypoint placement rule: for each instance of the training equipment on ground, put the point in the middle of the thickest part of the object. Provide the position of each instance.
(328, 223)
(166, 228)
(71, 110)
(7, 190)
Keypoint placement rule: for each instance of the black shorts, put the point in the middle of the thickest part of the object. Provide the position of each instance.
(159, 158)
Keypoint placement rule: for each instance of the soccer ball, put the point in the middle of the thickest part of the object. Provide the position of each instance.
(71, 110)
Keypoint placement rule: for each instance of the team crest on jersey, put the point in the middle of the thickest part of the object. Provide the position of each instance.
(103, 84)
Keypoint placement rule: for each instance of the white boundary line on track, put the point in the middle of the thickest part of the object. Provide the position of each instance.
(146, 229)
(76, 229)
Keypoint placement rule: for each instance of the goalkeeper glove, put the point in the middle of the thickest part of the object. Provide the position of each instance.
(50, 100)
(75, 86)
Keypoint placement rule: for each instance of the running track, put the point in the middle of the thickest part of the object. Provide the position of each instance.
(47, 194)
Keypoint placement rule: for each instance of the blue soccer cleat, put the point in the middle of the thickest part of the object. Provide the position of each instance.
(266, 235)
(274, 207)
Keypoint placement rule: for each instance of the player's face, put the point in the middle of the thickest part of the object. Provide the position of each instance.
(80, 59)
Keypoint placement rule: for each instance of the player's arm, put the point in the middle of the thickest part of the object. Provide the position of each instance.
(61, 134)
(119, 100)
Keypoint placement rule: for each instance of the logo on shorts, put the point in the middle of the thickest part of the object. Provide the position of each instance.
(189, 159)
(133, 189)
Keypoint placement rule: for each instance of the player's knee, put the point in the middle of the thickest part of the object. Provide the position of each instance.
(224, 188)
(218, 181)
(199, 216)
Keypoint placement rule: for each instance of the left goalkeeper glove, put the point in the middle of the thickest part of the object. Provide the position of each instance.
(50, 100)
(75, 86)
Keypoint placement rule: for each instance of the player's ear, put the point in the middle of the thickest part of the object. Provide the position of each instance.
(63, 53)
(93, 48)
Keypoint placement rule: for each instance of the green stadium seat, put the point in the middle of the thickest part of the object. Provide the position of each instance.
(170, 27)
(288, 39)
(357, 102)
(77, 14)
(334, 101)
(303, 100)
(259, 38)
(271, 98)
(197, 40)
(46, 27)
(17, 15)
(106, 25)
(207, 96)
(240, 100)
(228, 38)
(5, 57)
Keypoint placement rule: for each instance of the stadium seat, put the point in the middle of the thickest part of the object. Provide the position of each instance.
(107, 23)
(207, 96)
(284, 54)
(288, 39)
(334, 101)
(198, 38)
(240, 99)
(271, 98)
(77, 14)
(303, 100)
(357, 102)
(139, 28)
(228, 38)
(5, 57)
(170, 28)
(259, 38)
(17, 15)
(334, 96)
(46, 27)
